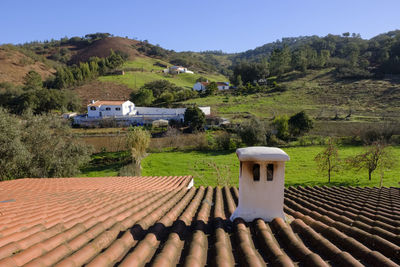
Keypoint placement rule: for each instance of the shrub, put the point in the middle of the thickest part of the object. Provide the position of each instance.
(223, 140)
(252, 132)
(299, 124)
(129, 170)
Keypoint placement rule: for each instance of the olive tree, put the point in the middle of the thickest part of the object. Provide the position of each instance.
(38, 146)
(252, 132)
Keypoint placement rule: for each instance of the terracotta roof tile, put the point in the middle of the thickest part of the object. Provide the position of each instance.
(107, 103)
(157, 221)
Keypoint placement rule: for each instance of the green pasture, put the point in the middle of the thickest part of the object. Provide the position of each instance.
(147, 72)
(145, 63)
(300, 170)
(219, 167)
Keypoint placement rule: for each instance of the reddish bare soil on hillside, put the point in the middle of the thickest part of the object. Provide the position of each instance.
(102, 48)
(14, 66)
(97, 90)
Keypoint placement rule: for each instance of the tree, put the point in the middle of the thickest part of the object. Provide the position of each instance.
(328, 159)
(281, 125)
(144, 97)
(114, 60)
(201, 79)
(252, 132)
(38, 146)
(238, 81)
(249, 72)
(138, 141)
(14, 156)
(211, 88)
(299, 60)
(376, 156)
(160, 86)
(167, 98)
(299, 123)
(32, 80)
(280, 61)
(194, 118)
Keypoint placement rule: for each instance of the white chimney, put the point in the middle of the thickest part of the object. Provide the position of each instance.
(93, 101)
(261, 183)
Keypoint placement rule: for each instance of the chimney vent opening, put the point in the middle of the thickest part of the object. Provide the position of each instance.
(256, 172)
(270, 172)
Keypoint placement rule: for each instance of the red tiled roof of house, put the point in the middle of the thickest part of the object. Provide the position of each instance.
(108, 103)
(132, 221)
(222, 83)
(218, 83)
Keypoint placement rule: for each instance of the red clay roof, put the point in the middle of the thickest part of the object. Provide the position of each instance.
(107, 103)
(132, 221)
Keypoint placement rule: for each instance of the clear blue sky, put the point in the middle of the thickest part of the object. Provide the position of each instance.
(228, 25)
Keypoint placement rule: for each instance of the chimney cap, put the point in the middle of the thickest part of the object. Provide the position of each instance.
(261, 153)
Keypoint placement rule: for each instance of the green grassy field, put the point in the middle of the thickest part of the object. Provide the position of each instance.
(136, 79)
(300, 170)
(318, 93)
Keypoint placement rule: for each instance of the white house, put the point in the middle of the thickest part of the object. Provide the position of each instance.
(177, 70)
(261, 183)
(201, 86)
(126, 113)
(111, 108)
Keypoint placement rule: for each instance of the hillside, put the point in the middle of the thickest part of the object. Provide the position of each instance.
(14, 65)
(102, 48)
(321, 95)
(333, 78)
(145, 69)
(96, 90)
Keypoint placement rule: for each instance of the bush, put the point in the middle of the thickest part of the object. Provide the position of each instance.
(299, 124)
(252, 132)
(223, 140)
(129, 170)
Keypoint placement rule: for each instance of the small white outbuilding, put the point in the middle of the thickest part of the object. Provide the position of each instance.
(261, 183)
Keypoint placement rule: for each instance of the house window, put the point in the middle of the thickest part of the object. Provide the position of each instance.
(108, 108)
(117, 108)
(270, 172)
(92, 108)
(256, 172)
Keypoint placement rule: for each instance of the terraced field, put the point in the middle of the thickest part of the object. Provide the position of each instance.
(157, 221)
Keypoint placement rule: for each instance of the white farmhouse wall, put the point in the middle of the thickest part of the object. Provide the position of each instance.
(93, 111)
(206, 110)
(128, 108)
(223, 87)
(110, 110)
(159, 111)
(199, 86)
